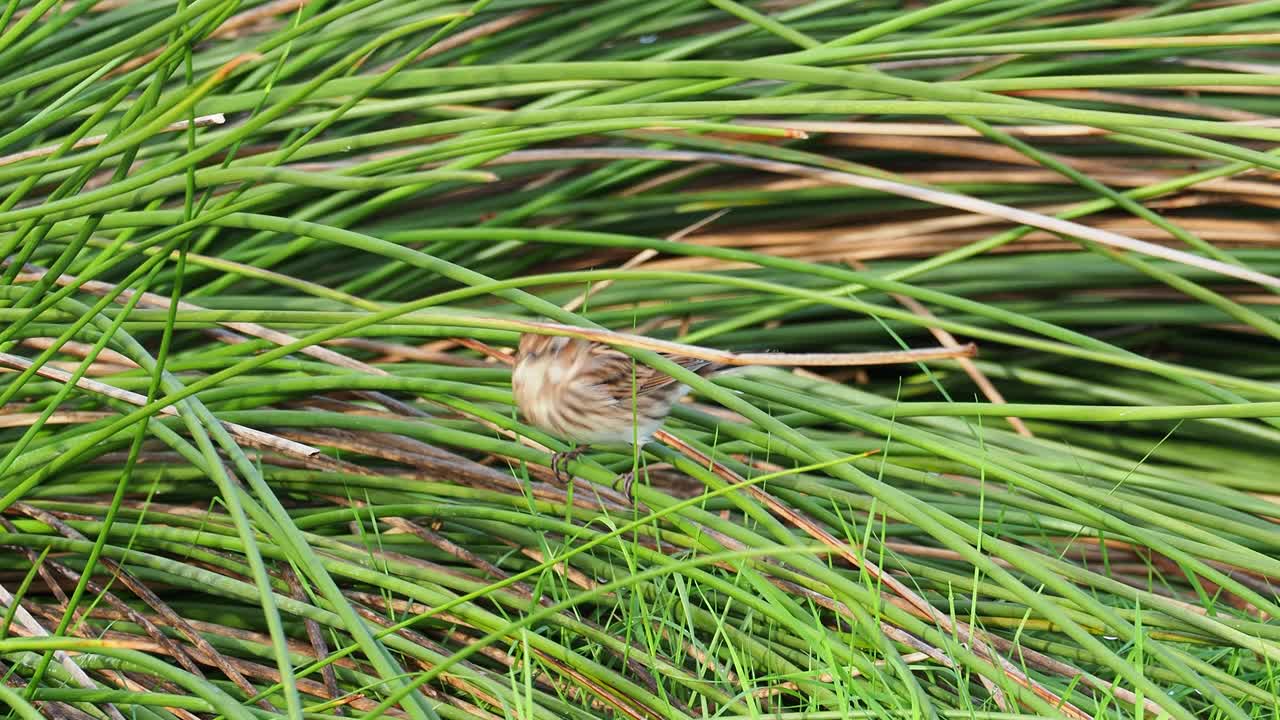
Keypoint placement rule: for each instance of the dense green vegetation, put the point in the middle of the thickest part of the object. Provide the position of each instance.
(265, 261)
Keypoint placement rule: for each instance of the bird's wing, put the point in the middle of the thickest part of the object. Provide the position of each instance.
(618, 371)
(650, 380)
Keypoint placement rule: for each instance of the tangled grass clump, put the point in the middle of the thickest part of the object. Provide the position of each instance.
(264, 261)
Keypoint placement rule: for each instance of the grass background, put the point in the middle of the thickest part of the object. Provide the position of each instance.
(257, 458)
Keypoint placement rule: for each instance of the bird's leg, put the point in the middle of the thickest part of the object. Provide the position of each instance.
(628, 479)
(559, 459)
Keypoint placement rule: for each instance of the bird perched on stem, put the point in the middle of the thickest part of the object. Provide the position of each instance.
(593, 394)
(587, 392)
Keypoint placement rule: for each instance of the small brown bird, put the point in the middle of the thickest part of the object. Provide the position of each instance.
(591, 394)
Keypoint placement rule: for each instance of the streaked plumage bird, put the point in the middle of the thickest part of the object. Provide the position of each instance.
(592, 394)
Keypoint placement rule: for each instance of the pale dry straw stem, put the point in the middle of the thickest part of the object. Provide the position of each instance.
(391, 352)
(94, 370)
(1120, 178)
(81, 350)
(202, 121)
(955, 628)
(610, 337)
(1228, 65)
(1190, 41)
(924, 194)
(948, 340)
(981, 150)
(34, 629)
(824, 240)
(642, 257)
(661, 179)
(12, 420)
(247, 435)
(97, 287)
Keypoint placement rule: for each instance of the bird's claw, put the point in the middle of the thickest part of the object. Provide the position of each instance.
(628, 479)
(558, 461)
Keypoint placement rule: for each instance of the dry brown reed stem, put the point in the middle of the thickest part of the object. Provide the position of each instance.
(930, 236)
(43, 569)
(202, 121)
(905, 638)
(924, 194)
(246, 435)
(984, 383)
(431, 463)
(521, 588)
(146, 595)
(955, 628)
(974, 149)
(1155, 104)
(164, 642)
(253, 19)
(99, 7)
(394, 352)
(28, 625)
(315, 634)
(610, 337)
(483, 30)
(893, 233)
(266, 673)
(255, 16)
(661, 179)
